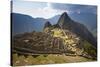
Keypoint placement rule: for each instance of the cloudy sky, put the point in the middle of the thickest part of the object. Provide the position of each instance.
(48, 10)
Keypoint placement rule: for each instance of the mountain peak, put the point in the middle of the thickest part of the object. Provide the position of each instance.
(64, 14)
(47, 24)
(65, 22)
(64, 19)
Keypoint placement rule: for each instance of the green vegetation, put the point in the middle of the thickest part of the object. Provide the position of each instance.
(49, 59)
(90, 49)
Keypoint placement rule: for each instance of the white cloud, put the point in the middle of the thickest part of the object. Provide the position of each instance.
(46, 12)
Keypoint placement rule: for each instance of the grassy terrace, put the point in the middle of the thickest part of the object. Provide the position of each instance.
(49, 59)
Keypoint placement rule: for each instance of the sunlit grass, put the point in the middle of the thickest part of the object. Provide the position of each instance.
(50, 59)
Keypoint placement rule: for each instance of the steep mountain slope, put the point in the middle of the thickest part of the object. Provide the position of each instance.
(88, 19)
(67, 23)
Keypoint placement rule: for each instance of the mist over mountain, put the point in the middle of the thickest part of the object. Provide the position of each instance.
(88, 19)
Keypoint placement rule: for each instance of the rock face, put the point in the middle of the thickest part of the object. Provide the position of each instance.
(64, 19)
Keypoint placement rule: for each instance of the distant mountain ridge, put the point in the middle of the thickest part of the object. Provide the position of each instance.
(37, 24)
(23, 23)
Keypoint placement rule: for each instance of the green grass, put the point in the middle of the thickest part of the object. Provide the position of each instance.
(50, 59)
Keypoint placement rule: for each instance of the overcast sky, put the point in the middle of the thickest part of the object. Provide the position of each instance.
(48, 10)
